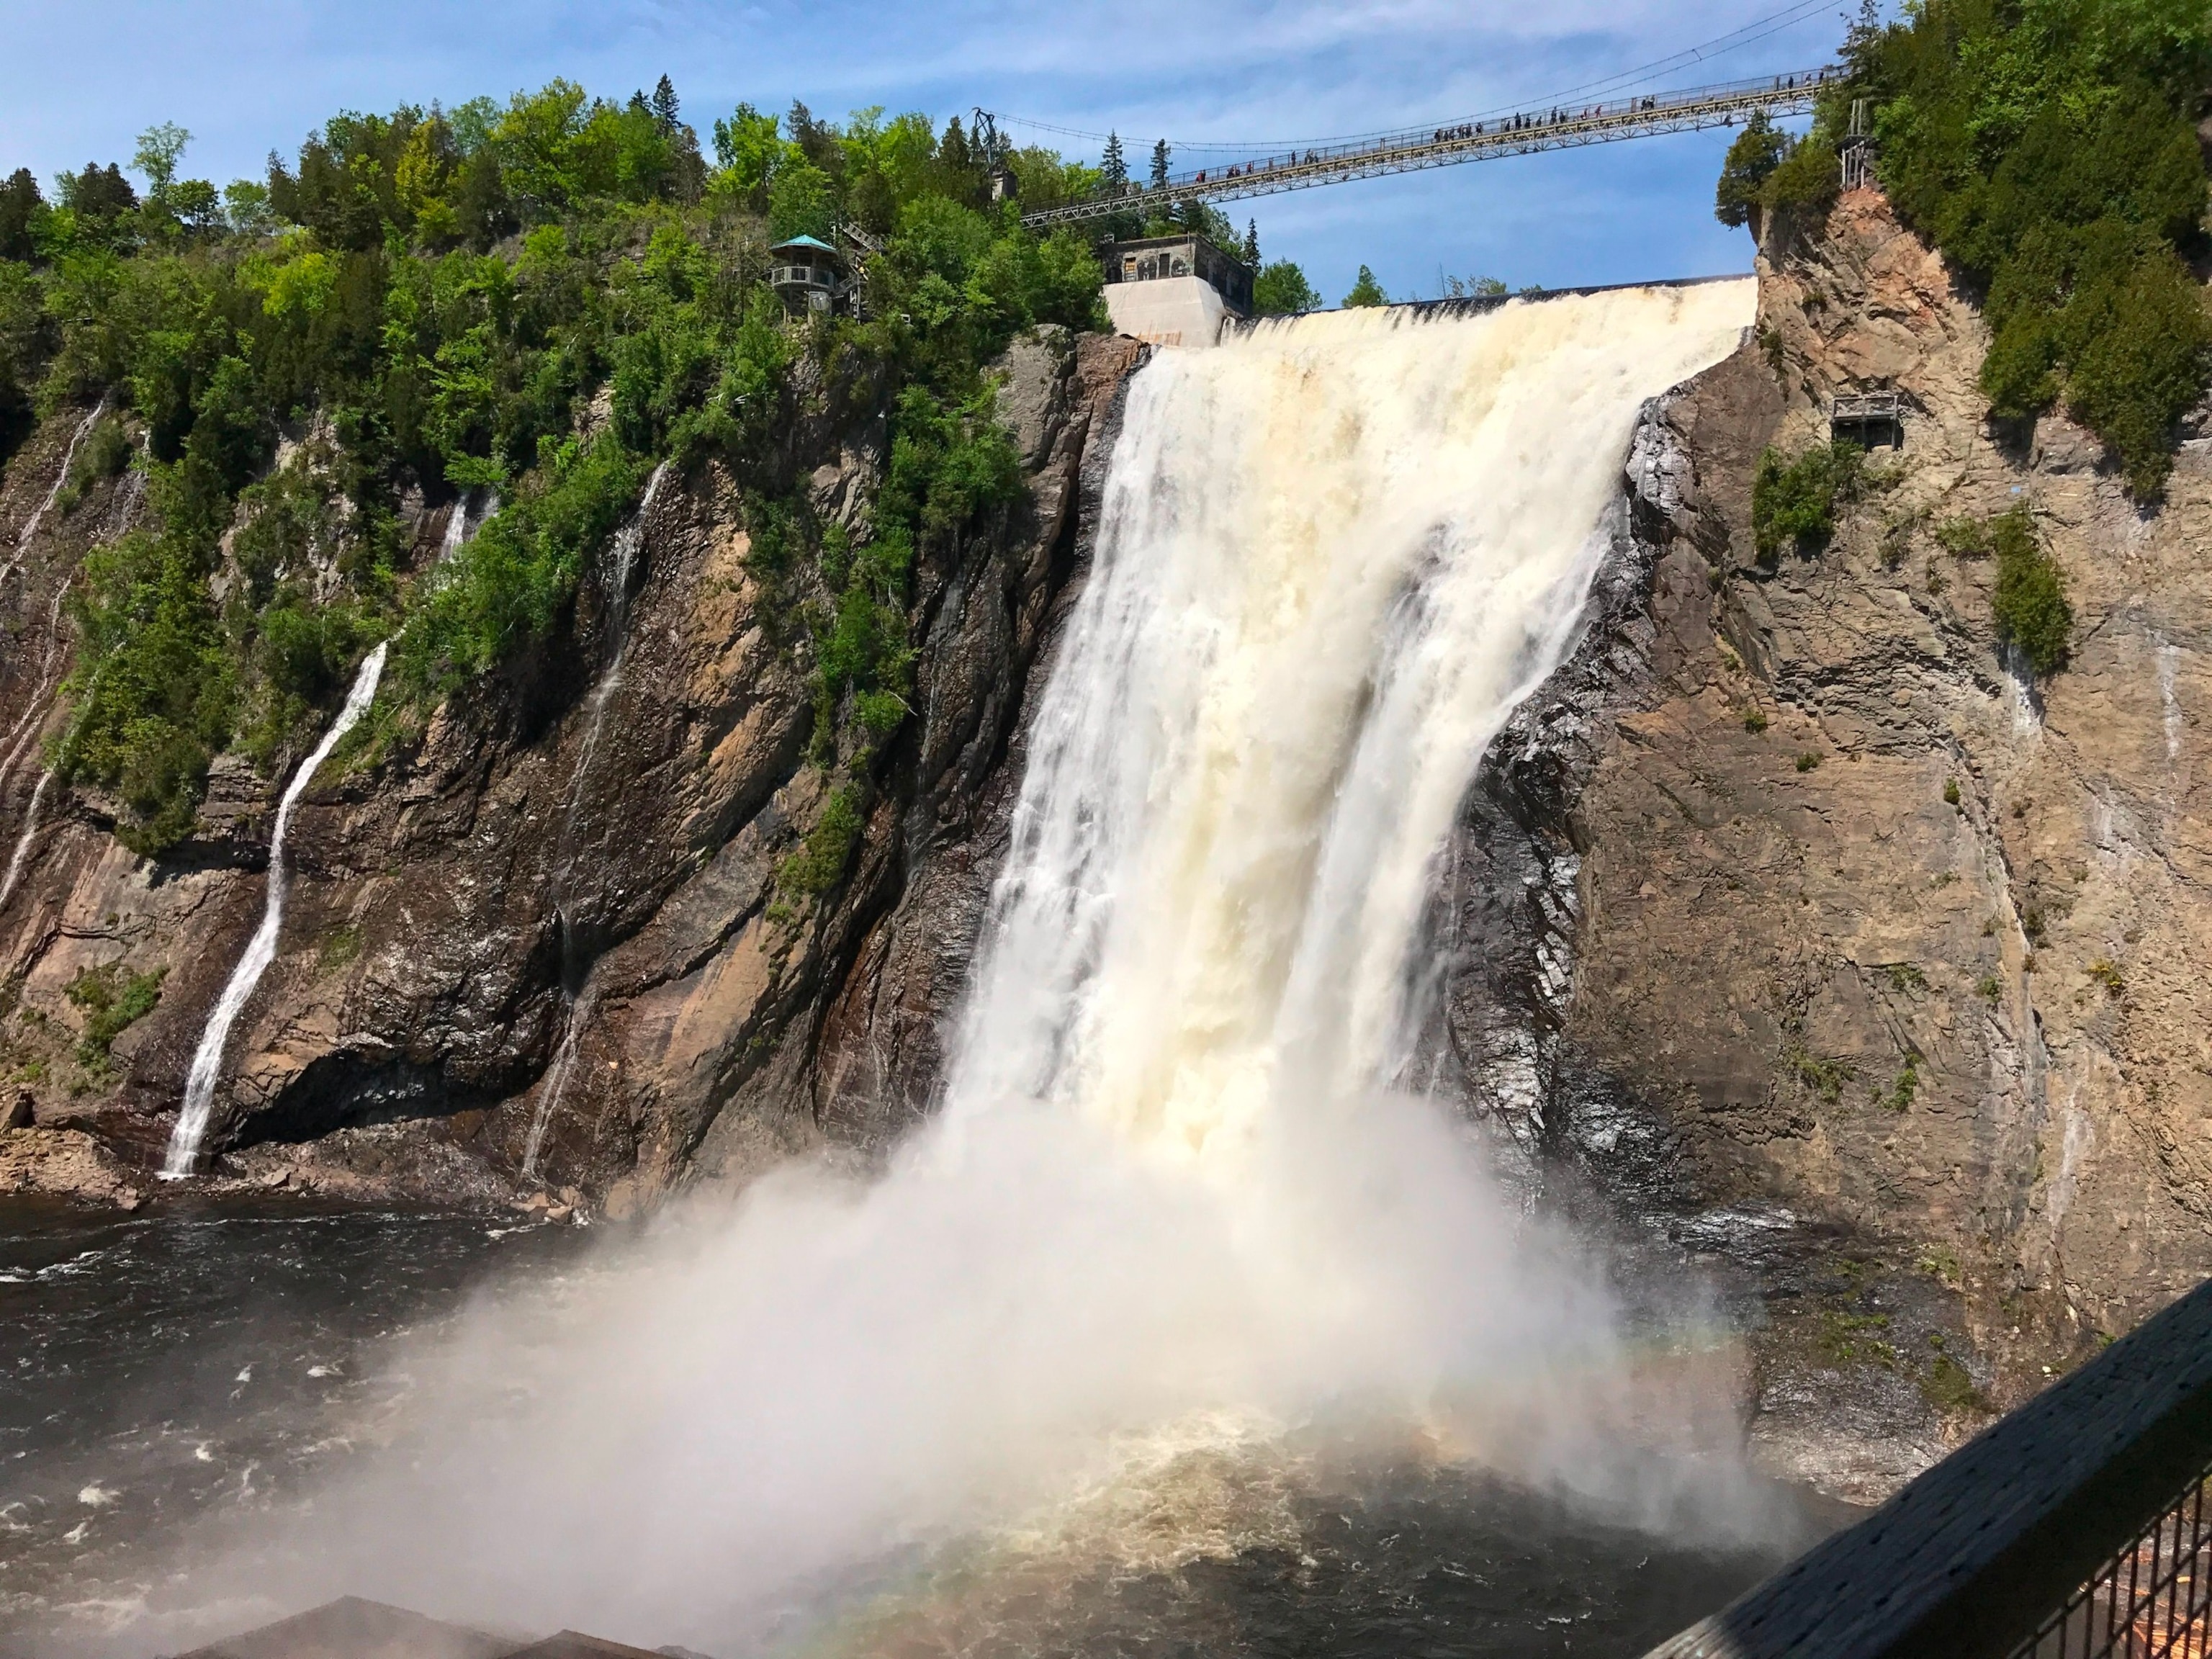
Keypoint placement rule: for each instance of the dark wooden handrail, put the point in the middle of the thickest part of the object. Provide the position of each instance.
(1969, 1560)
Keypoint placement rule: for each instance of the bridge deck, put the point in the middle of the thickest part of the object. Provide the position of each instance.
(1645, 116)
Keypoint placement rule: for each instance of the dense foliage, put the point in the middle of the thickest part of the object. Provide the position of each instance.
(2046, 147)
(1280, 289)
(2029, 601)
(544, 299)
(1794, 501)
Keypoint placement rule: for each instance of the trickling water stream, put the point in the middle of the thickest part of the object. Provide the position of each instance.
(23, 838)
(207, 1059)
(30, 529)
(624, 551)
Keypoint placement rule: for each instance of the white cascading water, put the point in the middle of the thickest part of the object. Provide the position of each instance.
(207, 1059)
(626, 540)
(457, 526)
(464, 519)
(25, 731)
(23, 839)
(69, 456)
(1173, 1201)
(556, 1083)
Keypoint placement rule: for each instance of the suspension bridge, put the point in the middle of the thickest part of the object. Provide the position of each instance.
(1646, 115)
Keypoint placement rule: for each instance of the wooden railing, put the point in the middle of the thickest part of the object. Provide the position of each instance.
(2076, 1526)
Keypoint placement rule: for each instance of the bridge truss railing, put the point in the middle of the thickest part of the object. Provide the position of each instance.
(1643, 116)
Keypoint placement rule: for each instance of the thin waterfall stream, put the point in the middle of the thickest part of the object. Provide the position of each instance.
(207, 1059)
(624, 548)
(23, 536)
(23, 839)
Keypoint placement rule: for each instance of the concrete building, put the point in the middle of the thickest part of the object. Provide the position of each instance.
(1174, 290)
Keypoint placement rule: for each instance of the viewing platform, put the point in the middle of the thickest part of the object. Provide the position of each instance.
(1869, 418)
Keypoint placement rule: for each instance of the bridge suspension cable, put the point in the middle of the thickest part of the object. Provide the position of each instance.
(1642, 115)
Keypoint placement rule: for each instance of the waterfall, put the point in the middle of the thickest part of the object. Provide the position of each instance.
(31, 524)
(464, 518)
(1179, 1199)
(23, 840)
(627, 541)
(25, 731)
(261, 950)
(1334, 554)
(556, 1083)
(457, 526)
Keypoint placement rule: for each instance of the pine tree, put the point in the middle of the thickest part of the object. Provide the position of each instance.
(1252, 245)
(1113, 168)
(1366, 291)
(665, 105)
(1160, 154)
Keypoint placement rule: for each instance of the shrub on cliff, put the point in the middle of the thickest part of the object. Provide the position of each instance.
(1793, 502)
(2046, 147)
(1751, 158)
(1767, 170)
(2030, 605)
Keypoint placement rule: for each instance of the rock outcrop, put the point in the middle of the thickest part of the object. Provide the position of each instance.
(1798, 921)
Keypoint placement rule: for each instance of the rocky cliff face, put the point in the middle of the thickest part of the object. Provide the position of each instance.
(1791, 932)
(1800, 923)
(550, 934)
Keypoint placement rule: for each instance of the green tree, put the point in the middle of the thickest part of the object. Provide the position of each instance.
(1112, 169)
(99, 196)
(2030, 604)
(2047, 148)
(1751, 159)
(1281, 289)
(1793, 502)
(801, 203)
(1366, 291)
(1160, 156)
(246, 206)
(665, 107)
(160, 149)
(1251, 250)
(20, 205)
(748, 149)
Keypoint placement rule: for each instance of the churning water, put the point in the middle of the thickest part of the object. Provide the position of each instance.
(1184, 1313)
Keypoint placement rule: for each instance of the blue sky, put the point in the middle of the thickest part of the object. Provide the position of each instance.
(80, 78)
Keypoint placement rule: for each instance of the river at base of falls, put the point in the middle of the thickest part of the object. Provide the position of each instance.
(173, 1377)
